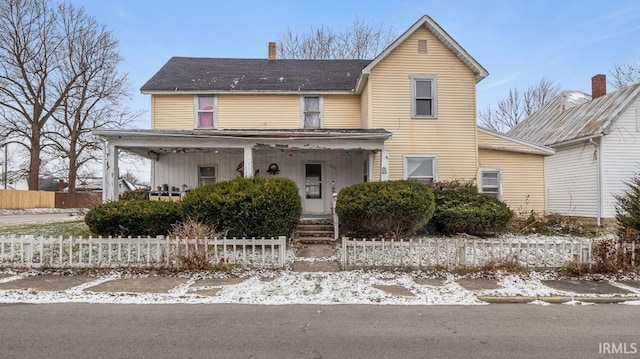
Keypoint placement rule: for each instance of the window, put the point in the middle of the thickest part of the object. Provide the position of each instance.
(420, 168)
(205, 112)
(424, 101)
(311, 111)
(490, 182)
(206, 174)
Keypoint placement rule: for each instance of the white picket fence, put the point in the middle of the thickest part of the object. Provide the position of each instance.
(462, 252)
(60, 252)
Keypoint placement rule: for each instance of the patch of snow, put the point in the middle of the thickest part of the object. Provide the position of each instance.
(632, 302)
(539, 302)
(576, 302)
(42, 211)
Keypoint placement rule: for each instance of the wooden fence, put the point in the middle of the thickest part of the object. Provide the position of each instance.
(459, 253)
(78, 199)
(31, 251)
(16, 199)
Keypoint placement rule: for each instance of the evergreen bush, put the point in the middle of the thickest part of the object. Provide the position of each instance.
(136, 194)
(628, 210)
(133, 218)
(246, 207)
(375, 209)
(464, 210)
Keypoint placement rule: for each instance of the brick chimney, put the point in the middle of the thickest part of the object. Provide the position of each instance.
(272, 50)
(598, 86)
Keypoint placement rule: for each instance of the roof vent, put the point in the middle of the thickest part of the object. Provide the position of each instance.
(422, 46)
(272, 50)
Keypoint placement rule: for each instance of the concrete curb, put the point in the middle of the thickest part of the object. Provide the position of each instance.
(555, 299)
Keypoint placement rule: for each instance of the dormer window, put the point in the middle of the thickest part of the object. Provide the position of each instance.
(424, 96)
(311, 111)
(205, 116)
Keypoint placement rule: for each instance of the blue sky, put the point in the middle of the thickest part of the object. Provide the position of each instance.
(518, 42)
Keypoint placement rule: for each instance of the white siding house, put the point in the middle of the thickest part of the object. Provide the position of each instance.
(597, 143)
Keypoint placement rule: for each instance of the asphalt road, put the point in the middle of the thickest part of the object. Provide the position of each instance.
(296, 331)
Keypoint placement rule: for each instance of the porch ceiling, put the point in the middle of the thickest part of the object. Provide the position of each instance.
(152, 143)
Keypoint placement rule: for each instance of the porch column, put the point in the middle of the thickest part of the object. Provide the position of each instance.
(110, 172)
(384, 165)
(248, 161)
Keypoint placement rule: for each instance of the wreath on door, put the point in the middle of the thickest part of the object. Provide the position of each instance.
(273, 169)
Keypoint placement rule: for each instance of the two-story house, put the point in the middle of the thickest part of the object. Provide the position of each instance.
(410, 113)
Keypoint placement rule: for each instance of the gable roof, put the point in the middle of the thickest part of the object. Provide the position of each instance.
(215, 75)
(558, 122)
(448, 41)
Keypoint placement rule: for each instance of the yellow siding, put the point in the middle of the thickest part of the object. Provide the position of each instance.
(364, 108)
(341, 111)
(172, 112)
(522, 178)
(496, 142)
(452, 136)
(258, 111)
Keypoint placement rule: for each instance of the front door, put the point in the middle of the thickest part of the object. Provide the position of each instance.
(313, 189)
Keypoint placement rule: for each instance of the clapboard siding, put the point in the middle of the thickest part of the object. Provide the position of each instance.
(572, 181)
(620, 156)
(452, 136)
(172, 112)
(341, 111)
(258, 111)
(523, 186)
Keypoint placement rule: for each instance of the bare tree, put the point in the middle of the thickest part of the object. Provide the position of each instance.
(518, 105)
(361, 41)
(48, 53)
(624, 75)
(95, 102)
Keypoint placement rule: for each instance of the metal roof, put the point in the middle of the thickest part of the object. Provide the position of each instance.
(216, 75)
(570, 117)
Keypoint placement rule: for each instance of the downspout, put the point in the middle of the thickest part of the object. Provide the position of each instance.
(598, 146)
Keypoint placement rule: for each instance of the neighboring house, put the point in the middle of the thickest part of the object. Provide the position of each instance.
(410, 113)
(597, 143)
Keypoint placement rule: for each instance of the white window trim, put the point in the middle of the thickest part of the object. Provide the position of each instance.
(405, 174)
(196, 125)
(434, 95)
(321, 106)
(217, 173)
(488, 169)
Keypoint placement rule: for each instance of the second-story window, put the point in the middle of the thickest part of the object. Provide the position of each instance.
(424, 99)
(205, 112)
(311, 111)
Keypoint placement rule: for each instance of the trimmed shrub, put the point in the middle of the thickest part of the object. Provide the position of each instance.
(246, 207)
(137, 194)
(374, 209)
(628, 210)
(464, 210)
(133, 218)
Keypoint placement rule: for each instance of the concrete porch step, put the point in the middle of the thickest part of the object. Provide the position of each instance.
(314, 240)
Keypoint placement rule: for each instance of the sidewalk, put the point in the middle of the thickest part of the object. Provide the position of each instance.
(287, 287)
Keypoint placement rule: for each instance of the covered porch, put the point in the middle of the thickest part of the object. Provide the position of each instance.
(321, 162)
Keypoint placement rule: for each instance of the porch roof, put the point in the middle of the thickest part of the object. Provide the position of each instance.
(151, 143)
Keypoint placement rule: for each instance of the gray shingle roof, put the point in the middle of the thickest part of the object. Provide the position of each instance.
(190, 74)
(559, 122)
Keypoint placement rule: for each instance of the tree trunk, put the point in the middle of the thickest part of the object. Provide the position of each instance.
(73, 170)
(34, 160)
